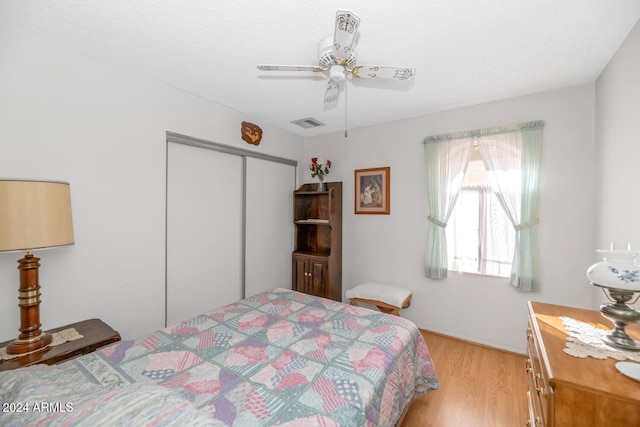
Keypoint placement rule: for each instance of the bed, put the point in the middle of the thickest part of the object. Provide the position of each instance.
(276, 358)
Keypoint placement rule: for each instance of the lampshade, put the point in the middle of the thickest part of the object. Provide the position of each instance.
(617, 270)
(34, 214)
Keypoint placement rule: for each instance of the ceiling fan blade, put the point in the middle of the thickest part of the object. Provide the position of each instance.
(293, 77)
(345, 33)
(331, 94)
(380, 72)
(314, 68)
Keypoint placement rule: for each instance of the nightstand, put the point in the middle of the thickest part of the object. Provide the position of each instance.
(95, 334)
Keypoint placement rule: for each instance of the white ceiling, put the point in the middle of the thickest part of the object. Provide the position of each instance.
(466, 52)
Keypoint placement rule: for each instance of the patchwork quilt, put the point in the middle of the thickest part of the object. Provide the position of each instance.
(277, 358)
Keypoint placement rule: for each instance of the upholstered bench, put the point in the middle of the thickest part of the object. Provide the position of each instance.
(388, 298)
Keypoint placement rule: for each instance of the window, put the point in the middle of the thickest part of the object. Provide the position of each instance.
(480, 237)
(512, 155)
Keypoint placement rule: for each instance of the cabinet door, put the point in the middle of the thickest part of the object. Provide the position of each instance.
(318, 277)
(300, 274)
(311, 275)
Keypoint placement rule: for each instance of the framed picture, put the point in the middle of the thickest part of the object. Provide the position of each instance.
(372, 191)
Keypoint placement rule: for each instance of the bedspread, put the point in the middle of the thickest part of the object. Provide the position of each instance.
(277, 358)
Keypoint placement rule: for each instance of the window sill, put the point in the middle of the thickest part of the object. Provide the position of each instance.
(471, 273)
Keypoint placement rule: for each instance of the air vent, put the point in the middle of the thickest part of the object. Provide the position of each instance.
(307, 123)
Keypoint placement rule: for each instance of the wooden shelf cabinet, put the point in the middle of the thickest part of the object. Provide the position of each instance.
(317, 255)
(569, 391)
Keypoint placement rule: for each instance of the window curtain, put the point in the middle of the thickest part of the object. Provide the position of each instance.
(512, 157)
(479, 234)
(496, 240)
(447, 158)
(463, 251)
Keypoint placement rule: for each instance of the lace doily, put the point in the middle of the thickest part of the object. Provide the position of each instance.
(585, 340)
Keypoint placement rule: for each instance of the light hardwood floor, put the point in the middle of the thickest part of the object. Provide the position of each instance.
(479, 386)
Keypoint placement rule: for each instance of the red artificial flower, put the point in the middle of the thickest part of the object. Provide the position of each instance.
(319, 167)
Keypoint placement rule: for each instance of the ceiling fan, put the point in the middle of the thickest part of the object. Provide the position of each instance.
(337, 59)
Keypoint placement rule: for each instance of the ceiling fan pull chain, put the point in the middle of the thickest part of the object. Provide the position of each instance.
(346, 99)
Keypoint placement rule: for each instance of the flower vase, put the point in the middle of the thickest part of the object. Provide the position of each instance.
(320, 183)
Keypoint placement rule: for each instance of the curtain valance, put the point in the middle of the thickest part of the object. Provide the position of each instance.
(477, 133)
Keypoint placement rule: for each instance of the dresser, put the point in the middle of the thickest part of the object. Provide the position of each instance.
(570, 391)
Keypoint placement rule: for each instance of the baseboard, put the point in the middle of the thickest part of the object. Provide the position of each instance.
(467, 341)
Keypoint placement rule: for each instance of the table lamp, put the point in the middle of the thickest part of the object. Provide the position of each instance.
(33, 215)
(619, 277)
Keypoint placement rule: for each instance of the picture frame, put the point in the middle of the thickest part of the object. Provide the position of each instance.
(372, 191)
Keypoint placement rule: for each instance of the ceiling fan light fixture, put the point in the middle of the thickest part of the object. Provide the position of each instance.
(336, 73)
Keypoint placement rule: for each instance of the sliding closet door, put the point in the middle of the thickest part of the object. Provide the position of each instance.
(204, 230)
(269, 225)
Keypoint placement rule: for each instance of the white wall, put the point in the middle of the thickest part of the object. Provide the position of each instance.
(618, 148)
(67, 117)
(391, 248)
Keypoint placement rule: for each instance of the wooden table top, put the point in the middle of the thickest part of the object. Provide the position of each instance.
(95, 334)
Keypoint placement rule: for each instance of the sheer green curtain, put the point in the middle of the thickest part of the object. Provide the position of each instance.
(447, 157)
(512, 157)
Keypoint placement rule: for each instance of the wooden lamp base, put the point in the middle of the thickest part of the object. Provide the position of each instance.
(31, 337)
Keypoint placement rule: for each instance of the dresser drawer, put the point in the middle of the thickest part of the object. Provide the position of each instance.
(541, 394)
(533, 400)
(535, 419)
